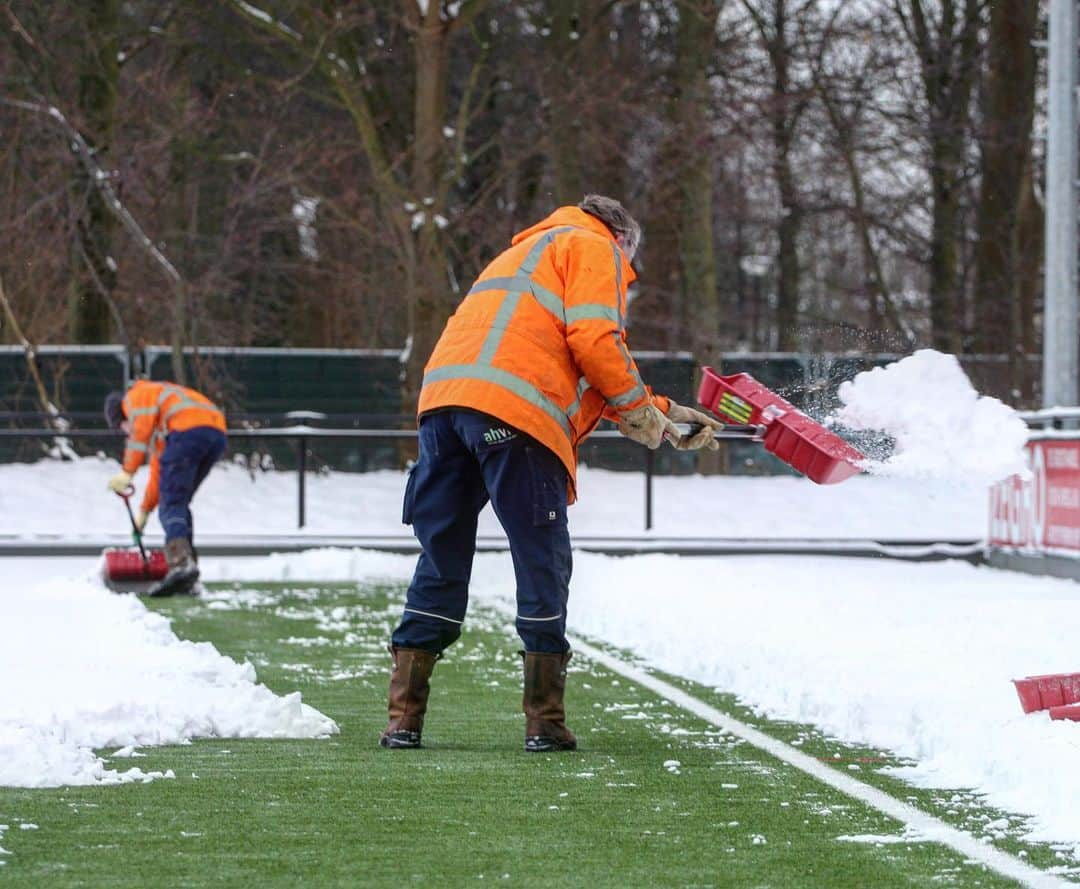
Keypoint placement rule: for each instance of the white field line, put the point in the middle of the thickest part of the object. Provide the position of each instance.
(927, 825)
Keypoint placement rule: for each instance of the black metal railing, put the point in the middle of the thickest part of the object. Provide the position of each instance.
(303, 435)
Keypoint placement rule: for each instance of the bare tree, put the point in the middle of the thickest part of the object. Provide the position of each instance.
(948, 49)
(1004, 310)
(849, 74)
(696, 47)
(98, 73)
(777, 25)
(100, 179)
(413, 191)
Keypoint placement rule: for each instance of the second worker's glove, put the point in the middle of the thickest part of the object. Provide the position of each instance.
(703, 438)
(120, 482)
(647, 425)
(140, 520)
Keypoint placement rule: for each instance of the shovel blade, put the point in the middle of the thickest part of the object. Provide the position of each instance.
(127, 566)
(801, 442)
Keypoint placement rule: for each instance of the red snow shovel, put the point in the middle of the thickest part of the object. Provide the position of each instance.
(805, 445)
(1052, 691)
(133, 571)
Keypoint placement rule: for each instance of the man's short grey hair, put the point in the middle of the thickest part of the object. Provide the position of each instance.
(616, 217)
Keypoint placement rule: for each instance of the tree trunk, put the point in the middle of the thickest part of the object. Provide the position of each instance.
(1005, 144)
(948, 58)
(563, 101)
(89, 313)
(695, 42)
(945, 333)
(694, 49)
(430, 297)
(783, 124)
(1030, 235)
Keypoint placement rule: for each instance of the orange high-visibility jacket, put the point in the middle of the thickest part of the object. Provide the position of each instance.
(155, 410)
(539, 341)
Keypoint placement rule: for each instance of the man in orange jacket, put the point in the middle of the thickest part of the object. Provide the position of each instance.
(527, 366)
(183, 433)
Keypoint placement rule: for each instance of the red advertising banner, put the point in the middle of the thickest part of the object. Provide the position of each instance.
(1040, 512)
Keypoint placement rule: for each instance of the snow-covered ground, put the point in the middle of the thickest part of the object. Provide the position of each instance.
(916, 658)
(70, 500)
(81, 668)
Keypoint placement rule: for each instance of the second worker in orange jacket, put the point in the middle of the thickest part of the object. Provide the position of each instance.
(182, 433)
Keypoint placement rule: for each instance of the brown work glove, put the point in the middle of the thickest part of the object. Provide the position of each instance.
(647, 425)
(677, 413)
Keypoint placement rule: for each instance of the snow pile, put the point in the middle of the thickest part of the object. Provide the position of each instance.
(853, 646)
(941, 427)
(82, 668)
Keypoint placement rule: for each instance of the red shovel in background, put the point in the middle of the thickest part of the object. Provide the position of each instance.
(1058, 693)
(130, 571)
(804, 444)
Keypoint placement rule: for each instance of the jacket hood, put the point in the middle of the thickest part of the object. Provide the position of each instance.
(566, 216)
(578, 218)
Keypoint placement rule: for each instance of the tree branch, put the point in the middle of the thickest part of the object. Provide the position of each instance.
(54, 420)
(101, 181)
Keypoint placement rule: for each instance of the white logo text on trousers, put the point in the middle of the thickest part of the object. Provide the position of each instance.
(498, 433)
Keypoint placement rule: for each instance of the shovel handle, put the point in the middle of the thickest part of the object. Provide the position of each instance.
(738, 431)
(125, 495)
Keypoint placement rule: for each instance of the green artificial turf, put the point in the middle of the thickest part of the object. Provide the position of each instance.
(654, 797)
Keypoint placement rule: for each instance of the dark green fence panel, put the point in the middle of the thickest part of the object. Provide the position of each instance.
(76, 380)
(665, 373)
(275, 381)
(265, 382)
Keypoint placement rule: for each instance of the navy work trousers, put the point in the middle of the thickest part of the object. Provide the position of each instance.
(187, 458)
(466, 459)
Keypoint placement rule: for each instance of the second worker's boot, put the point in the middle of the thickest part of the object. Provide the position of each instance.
(183, 571)
(408, 696)
(545, 714)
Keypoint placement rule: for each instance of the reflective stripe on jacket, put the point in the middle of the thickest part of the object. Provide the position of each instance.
(539, 341)
(154, 410)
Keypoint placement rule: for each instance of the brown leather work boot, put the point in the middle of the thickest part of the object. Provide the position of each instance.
(408, 696)
(183, 571)
(545, 715)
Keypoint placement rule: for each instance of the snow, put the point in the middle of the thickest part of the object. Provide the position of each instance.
(883, 840)
(942, 427)
(914, 658)
(304, 211)
(256, 13)
(84, 669)
(69, 500)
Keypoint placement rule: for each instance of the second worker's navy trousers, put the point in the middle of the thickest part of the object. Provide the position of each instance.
(188, 457)
(466, 459)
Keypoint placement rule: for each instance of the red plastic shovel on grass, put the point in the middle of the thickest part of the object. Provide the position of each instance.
(127, 570)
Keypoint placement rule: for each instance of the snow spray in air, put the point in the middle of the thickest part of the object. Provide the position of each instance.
(924, 419)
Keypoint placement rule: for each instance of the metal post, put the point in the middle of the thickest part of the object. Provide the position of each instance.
(649, 458)
(301, 470)
(1060, 331)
